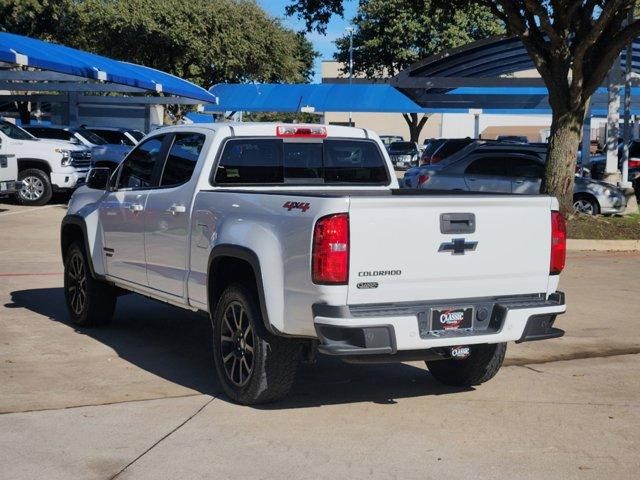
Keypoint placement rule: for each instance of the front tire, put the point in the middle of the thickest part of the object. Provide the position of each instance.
(36, 188)
(90, 302)
(586, 205)
(480, 366)
(253, 365)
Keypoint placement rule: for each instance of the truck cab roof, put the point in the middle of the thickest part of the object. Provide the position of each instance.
(270, 129)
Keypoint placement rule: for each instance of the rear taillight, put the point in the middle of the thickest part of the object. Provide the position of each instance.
(435, 159)
(558, 243)
(423, 179)
(330, 258)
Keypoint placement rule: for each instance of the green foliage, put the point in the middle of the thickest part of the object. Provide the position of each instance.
(45, 19)
(390, 35)
(284, 117)
(205, 41)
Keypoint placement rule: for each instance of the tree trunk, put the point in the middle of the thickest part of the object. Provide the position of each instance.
(415, 124)
(566, 130)
(24, 112)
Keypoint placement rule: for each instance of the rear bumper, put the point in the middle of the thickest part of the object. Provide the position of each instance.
(390, 330)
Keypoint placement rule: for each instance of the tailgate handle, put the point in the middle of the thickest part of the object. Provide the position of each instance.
(457, 223)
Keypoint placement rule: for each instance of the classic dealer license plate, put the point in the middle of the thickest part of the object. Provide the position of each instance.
(454, 318)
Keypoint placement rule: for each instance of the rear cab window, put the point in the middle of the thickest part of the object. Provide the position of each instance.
(273, 161)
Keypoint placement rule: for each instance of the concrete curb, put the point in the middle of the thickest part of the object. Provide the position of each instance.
(603, 245)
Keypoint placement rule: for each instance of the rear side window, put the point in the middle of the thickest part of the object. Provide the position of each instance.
(452, 146)
(182, 159)
(525, 167)
(433, 146)
(137, 169)
(489, 166)
(274, 161)
(113, 137)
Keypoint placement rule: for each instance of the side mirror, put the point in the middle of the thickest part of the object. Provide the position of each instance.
(98, 178)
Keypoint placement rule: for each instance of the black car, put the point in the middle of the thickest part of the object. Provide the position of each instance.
(404, 155)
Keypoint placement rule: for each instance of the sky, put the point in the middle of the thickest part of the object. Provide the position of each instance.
(321, 43)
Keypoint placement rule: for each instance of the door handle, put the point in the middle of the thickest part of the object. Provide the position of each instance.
(173, 209)
(519, 181)
(135, 207)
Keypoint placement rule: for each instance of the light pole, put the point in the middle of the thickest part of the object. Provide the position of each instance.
(350, 31)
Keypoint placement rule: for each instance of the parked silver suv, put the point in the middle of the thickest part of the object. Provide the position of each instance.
(507, 168)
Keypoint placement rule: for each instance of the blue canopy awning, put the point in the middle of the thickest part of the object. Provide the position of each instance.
(271, 97)
(16, 49)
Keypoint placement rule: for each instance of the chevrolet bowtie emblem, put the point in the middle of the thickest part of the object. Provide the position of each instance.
(457, 246)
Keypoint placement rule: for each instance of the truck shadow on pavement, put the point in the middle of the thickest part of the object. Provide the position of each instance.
(176, 345)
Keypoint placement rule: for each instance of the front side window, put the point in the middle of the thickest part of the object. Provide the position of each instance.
(11, 131)
(182, 159)
(137, 169)
(274, 161)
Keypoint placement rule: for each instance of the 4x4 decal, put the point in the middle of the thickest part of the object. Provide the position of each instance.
(297, 205)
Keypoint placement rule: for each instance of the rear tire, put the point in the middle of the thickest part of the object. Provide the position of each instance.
(480, 366)
(90, 302)
(253, 365)
(36, 188)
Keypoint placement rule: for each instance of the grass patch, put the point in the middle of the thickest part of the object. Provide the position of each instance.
(604, 228)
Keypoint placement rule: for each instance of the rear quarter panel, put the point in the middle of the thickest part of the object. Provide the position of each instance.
(280, 237)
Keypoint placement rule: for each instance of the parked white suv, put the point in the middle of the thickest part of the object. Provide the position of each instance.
(286, 235)
(43, 165)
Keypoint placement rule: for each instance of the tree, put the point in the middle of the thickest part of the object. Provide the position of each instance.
(572, 43)
(390, 35)
(204, 41)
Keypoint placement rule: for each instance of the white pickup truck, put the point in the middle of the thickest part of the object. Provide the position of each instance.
(44, 166)
(296, 238)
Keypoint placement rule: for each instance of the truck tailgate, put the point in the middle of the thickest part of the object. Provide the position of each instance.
(398, 252)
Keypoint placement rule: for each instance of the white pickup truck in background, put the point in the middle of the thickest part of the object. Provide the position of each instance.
(295, 238)
(44, 166)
